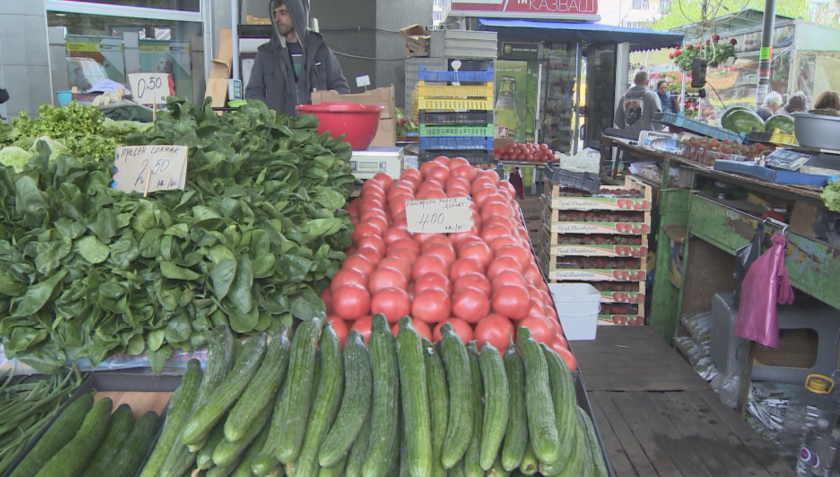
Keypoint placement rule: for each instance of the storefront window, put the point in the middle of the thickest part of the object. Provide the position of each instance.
(182, 5)
(95, 51)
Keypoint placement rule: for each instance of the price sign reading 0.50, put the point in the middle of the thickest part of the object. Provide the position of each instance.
(149, 88)
(450, 215)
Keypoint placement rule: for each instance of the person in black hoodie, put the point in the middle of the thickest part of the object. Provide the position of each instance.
(294, 63)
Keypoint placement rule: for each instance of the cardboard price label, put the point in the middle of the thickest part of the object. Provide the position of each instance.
(149, 88)
(450, 215)
(147, 169)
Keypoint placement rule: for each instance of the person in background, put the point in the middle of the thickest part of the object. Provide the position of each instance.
(636, 107)
(294, 63)
(797, 102)
(4, 95)
(827, 100)
(771, 104)
(669, 104)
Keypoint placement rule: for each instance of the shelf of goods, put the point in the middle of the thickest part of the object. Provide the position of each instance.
(456, 115)
(601, 239)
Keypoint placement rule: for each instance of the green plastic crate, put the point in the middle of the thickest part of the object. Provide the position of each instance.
(456, 131)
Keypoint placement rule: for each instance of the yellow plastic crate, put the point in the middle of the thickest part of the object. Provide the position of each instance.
(483, 91)
(779, 137)
(431, 104)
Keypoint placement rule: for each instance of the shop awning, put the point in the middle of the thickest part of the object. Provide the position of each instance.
(639, 38)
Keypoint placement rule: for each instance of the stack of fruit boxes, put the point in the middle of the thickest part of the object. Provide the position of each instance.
(600, 239)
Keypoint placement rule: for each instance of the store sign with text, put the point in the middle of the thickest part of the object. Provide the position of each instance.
(527, 9)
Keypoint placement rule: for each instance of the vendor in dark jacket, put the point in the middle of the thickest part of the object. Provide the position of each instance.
(286, 69)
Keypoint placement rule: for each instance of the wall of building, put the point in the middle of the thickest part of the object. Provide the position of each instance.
(24, 67)
(351, 31)
(391, 15)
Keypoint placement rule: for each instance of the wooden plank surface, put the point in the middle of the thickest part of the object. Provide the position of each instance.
(627, 440)
(660, 456)
(633, 358)
(618, 457)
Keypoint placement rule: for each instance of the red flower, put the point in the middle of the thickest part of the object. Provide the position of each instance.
(677, 52)
(689, 47)
(671, 55)
(716, 37)
(707, 42)
(733, 41)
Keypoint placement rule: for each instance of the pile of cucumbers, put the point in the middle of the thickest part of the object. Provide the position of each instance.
(398, 406)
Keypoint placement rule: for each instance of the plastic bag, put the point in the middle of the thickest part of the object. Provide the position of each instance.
(587, 160)
(765, 285)
(745, 256)
(517, 182)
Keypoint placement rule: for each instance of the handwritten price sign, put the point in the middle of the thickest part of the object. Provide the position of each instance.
(149, 88)
(150, 168)
(449, 215)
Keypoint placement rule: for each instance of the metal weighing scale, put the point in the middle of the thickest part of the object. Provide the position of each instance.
(806, 160)
(365, 164)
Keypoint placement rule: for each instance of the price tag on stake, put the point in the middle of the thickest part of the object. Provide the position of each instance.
(450, 215)
(149, 88)
(147, 169)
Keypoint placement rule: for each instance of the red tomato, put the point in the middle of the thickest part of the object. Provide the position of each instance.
(463, 266)
(404, 253)
(489, 209)
(552, 313)
(481, 180)
(481, 195)
(568, 357)
(386, 278)
(433, 280)
(470, 304)
(512, 301)
(540, 328)
(426, 167)
(360, 263)
(371, 204)
(411, 175)
(433, 239)
(508, 277)
(340, 327)
(421, 238)
(457, 191)
(560, 341)
(468, 172)
(429, 263)
(362, 325)
(496, 197)
(458, 161)
(442, 250)
(371, 254)
(364, 230)
(373, 193)
(474, 280)
(460, 238)
(348, 276)
(442, 159)
(508, 186)
(374, 242)
(518, 253)
(351, 250)
(494, 231)
(439, 173)
(501, 264)
(326, 297)
(391, 302)
(351, 302)
(501, 241)
(431, 194)
(385, 179)
(400, 189)
(352, 207)
(504, 221)
(381, 223)
(462, 329)
(496, 329)
(405, 242)
(537, 307)
(422, 329)
(534, 272)
(431, 305)
(397, 264)
(393, 234)
(458, 181)
(477, 250)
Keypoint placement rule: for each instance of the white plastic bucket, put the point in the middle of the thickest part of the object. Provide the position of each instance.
(578, 305)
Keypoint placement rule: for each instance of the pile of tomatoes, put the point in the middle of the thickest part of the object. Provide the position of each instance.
(485, 281)
(532, 152)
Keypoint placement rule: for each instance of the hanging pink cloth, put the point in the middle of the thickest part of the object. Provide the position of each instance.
(766, 284)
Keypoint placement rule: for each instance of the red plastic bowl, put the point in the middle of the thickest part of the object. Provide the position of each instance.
(358, 122)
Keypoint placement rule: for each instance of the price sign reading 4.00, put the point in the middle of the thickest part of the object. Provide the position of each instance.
(149, 88)
(449, 215)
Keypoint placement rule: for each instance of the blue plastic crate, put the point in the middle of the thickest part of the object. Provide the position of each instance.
(463, 142)
(455, 76)
(684, 122)
(770, 175)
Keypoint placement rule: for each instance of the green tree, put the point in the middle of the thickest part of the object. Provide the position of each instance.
(689, 11)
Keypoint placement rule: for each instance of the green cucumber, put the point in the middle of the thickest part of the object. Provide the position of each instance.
(136, 446)
(204, 457)
(438, 404)
(457, 470)
(415, 400)
(244, 467)
(570, 467)
(71, 460)
(335, 471)
(565, 400)
(222, 471)
(530, 464)
(497, 469)
(472, 457)
(355, 404)
(496, 403)
(297, 397)
(542, 421)
(227, 393)
(220, 357)
(227, 452)
(460, 425)
(59, 433)
(180, 405)
(121, 423)
(516, 435)
(262, 388)
(325, 406)
(405, 466)
(596, 454)
(384, 434)
(358, 453)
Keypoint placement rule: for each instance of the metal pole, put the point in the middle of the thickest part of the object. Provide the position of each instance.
(234, 36)
(765, 56)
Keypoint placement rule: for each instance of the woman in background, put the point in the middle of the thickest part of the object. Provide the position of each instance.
(797, 102)
(669, 104)
(827, 100)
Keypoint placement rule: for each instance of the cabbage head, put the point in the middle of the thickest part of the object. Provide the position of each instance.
(56, 147)
(14, 157)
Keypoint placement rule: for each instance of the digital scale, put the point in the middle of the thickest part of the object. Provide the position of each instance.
(806, 160)
(389, 159)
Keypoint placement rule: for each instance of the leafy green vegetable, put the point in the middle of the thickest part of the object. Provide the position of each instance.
(87, 271)
(831, 196)
(14, 157)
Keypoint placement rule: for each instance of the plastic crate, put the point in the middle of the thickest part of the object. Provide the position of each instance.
(475, 157)
(681, 121)
(462, 118)
(436, 104)
(462, 131)
(455, 76)
(448, 143)
(446, 91)
(573, 180)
